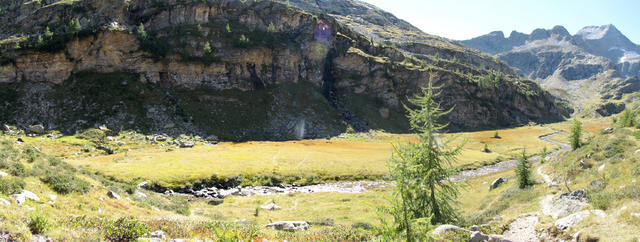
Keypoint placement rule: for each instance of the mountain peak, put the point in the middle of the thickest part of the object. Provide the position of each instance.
(599, 32)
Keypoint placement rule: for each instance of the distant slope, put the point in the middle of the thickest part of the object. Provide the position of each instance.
(589, 68)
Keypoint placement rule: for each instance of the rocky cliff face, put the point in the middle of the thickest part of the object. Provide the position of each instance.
(238, 69)
(585, 65)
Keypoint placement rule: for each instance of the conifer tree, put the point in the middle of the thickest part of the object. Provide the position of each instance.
(576, 134)
(523, 171)
(421, 170)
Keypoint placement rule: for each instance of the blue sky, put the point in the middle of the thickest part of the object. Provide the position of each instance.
(464, 19)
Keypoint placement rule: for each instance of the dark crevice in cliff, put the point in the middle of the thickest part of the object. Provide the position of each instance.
(329, 89)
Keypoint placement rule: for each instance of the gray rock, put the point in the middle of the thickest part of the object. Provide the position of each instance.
(6, 128)
(270, 206)
(143, 184)
(211, 138)
(19, 198)
(186, 144)
(37, 129)
(113, 195)
(568, 203)
(2, 173)
(497, 183)
(290, 226)
(158, 234)
(216, 202)
(476, 236)
(30, 195)
(597, 185)
(576, 218)
(140, 194)
(4, 202)
(445, 228)
(474, 228)
(608, 130)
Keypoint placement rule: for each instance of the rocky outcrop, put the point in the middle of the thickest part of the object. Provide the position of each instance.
(242, 70)
(584, 67)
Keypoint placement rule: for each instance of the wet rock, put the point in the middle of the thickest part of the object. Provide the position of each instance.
(576, 218)
(216, 202)
(497, 183)
(113, 195)
(36, 129)
(271, 206)
(290, 226)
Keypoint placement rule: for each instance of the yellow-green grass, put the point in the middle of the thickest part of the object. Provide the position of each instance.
(307, 161)
(590, 126)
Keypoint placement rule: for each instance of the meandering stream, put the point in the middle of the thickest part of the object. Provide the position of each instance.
(361, 186)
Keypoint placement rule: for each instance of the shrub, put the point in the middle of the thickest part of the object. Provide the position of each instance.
(125, 229)
(65, 183)
(17, 169)
(38, 223)
(95, 135)
(11, 185)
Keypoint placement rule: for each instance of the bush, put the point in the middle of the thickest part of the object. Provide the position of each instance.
(65, 183)
(38, 223)
(17, 169)
(11, 185)
(125, 229)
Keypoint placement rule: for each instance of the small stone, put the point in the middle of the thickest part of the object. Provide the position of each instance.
(476, 236)
(113, 195)
(158, 234)
(186, 144)
(140, 194)
(143, 184)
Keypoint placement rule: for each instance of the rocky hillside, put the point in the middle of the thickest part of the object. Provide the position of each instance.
(242, 69)
(596, 62)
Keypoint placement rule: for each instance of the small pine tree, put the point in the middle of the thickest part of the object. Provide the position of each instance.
(486, 148)
(207, 48)
(576, 134)
(74, 26)
(40, 41)
(142, 34)
(496, 135)
(47, 33)
(544, 154)
(271, 28)
(228, 28)
(523, 170)
(17, 46)
(244, 39)
(422, 170)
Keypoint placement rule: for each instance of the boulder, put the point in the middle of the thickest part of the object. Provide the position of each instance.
(30, 195)
(143, 184)
(290, 226)
(576, 218)
(608, 130)
(212, 138)
(19, 198)
(186, 144)
(476, 236)
(568, 203)
(497, 183)
(36, 129)
(474, 228)
(446, 228)
(113, 195)
(2, 173)
(270, 206)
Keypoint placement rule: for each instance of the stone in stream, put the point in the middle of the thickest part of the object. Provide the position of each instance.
(290, 226)
(497, 183)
